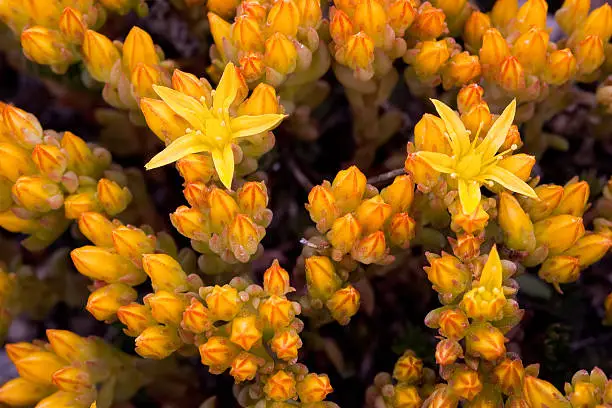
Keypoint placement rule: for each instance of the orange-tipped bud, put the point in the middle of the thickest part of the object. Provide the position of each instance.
(322, 207)
(220, 31)
(516, 224)
(262, 100)
(589, 54)
(314, 388)
(373, 213)
(572, 14)
(39, 366)
(447, 274)
(447, 352)
(223, 302)
(599, 23)
(105, 265)
(513, 137)
(430, 22)
(50, 161)
(190, 222)
(468, 96)
(477, 118)
(196, 317)
(136, 317)
(584, 394)
(442, 397)
(574, 200)
(400, 16)
(431, 57)
(218, 353)
(461, 69)
(104, 302)
(511, 75)
(558, 233)
(359, 53)
(466, 383)
(284, 18)
(344, 303)
(246, 34)
(280, 386)
(244, 237)
(223, 209)
(369, 16)
(189, 84)
(280, 53)
(16, 162)
(252, 198)
(45, 46)
(408, 368)
(72, 25)
(590, 249)
(112, 196)
(196, 167)
(70, 346)
(503, 11)
(244, 367)
(310, 13)
(561, 67)
(224, 8)
(72, 379)
(37, 194)
(17, 351)
(138, 48)
(541, 394)
(167, 308)
(549, 197)
(81, 159)
(164, 271)
(530, 50)
(453, 324)
(21, 392)
(157, 342)
(276, 312)
(143, 78)
(531, 14)
(509, 375)
(348, 188)
(132, 243)
(61, 399)
(494, 48)
(519, 164)
(22, 126)
(560, 269)
(402, 229)
(407, 396)
(162, 120)
(276, 280)
(371, 249)
(99, 55)
(485, 341)
(285, 344)
(475, 27)
(340, 27)
(321, 277)
(471, 223)
(429, 135)
(245, 331)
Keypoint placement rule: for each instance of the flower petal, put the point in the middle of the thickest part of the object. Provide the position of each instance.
(509, 181)
(491, 276)
(497, 133)
(185, 106)
(457, 133)
(247, 125)
(181, 147)
(469, 195)
(438, 161)
(226, 91)
(224, 164)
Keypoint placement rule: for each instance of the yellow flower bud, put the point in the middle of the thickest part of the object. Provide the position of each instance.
(246, 34)
(23, 127)
(196, 167)
(429, 135)
(39, 366)
(531, 14)
(511, 75)
(262, 100)
(196, 317)
(574, 200)
(37, 194)
(465, 383)
(138, 47)
(132, 243)
(515, 223)
(244, 237)
(17, 351)
(322, 207)
(584, 394)
(373, 213)
(223, 302)
(461, 69)
(590, 249)
(190, 222)
(112, 196)
(344, 303)
(442, 397)
(70, 346)
(220, 30)
(218, 353)
(280, 53)
(99, 55)
(252, 66)
(340, 26)
(143, 78)
(589, 54)
(471, 223)
(50, 161)
(400, 15)
(245, 331)
(72, 25)
(136, 317)
(494, 48)
(509, 375)
(518, 164)
(422, 173)
(106, 265)
(359, 53)
(276, 312)
(103, 303)
(541, 394)
(572, 14)
(284, 18)
(223, 209)
(280, 386)
(430, 23)
(503, 11)
(189, 84)
(453, 324)
(475, 27)
(371, 249)
(165, 272)
(285, 344)
(45, 46)
(484, 340)
(81, 159)
(61, 399)
(72, 379)
(431, 56)
(477, 118)
(276, 280)
(321, 277)
(369, 17)
(549, 197)
(447, 274)
(21, 392)
(15, 162)
(408, 368)
(558, 233)
(599, 23)
(157, 342)
(530, 50)
(224, 8)
(468, 97)
(401, 230)
(407, 396)
(167, 308)
(561, 67)
(348, 188)
(244, 367)
(560, 269)
(314, 388)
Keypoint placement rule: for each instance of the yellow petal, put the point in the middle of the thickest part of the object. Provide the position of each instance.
(438, 161)
(185, 106)
(509, 181)
(457, 133)
(491, 276)
(497, 134)
(469, 195)
(247, 125)
(224, 164)
(226, 91)
(181, 147)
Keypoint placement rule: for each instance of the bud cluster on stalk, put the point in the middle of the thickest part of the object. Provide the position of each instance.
(71, 371)
(49, 178)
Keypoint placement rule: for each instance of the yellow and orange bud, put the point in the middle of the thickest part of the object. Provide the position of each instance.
(400, 16)
(138, 48)
(590, 249)
(589, 54)
(503, 11)
(276, 280)
(340, 26)
(81, 159)
(136, 317)
(104, 302)
(246, 34)
(372, 249)
(399, 194)
(359, 52)
(549, 197)
(17, 351)
(561, 67)
(430, 23)
(560, 269)
(223, 209)
(344, 303)
(143, 78)
(516, 224)
(132, 243)
(70, 346)
(558, 233)
(223, 302)
(72, 25)
(226, 9)
(369, 17)
(99, 55)
(105, 265)
(23, 127)
(494, 48)
(244, 236)
(220, 31)
(196, 167)
(373, 213)
(408, 368)
(113, 198)
(310, 13)
(262, 100)
(531, 14)
(484, 340)
(322, 206)
(167, 308)
(477, 118)
(584, 394)
(530, 50)
(429, 135)
(540, 394)
(244, 367)
(50, 161)
(37, 194)
(164, 271)
(574, 200)
(475, 27)
(431, 57)
(63, 399)
(276, 312)
(402, 230)
(218, 353)
(162, 120)
(519, 164)
(513, 138)
(157, 342)
(285, 344)
(21, 392)
(442, 397)
(509, 375)
(284, 18)
(189, 84)
(447, 352)
(461, 69)
(16, 162)
(190, 222)
(252, 198)
(466, 383)
(72, 379)
(453, 324)
(196, 317)
(280, 386)
(280, 53)
(447, 274)
(344, 233)
(572, 14)
(77, 204)
(598, 23)
(39, 366)
(45, 46)
(245, 331)
(407, 396)
(252, 66)
(511, 75)
(314, 388)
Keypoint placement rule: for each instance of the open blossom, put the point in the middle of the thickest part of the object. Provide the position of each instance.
(474, 162)
(213, 129)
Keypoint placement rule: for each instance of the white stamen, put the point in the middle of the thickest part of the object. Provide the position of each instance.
(514, 146)
(453, 175)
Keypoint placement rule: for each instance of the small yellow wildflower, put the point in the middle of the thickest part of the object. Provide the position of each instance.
(475, 162)
(214, 129)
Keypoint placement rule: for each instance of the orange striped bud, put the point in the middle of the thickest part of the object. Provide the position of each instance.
(244, 367)
(447, 274)
(401, 230)
(465, 383)
(531, 14)
(189, 84)
(584, 394)
(442, 397)
(164, 271)
(167, 308)
(430, 23)
(72, 379)
(322, 207)
(276, 312)
(494, 48)
(104, 264)
(314, 388)
(344, 303)
(540, 394)
(461, 69)
(519, 164)
(451, 8)
(549, 197)
(285, 344)
(400, 16)
(197, 195)
(530, 50)
(511, 75)
(70, 346)
(246, 34)
(484, 340)
(38, 367)
(276, 280)
(223, 209)
(113, 198)
(477, 118)
(45, 46)
(429, 135)
(262, 100)
(218, 353)
(16, 162)
(340, 26)
(223, 302)
(280, 53)
(469, 96)
(321, 277)
(21, 392)
(244, 237)
(408, 368)
(252, 66)
(81, 159)
(72, 25)
(475, 27)
(103, 303)
(371, 249)
(599, 23)
(284, 18)
(503, 11)
(471, 223)
(196, 167)
(280, 386)
(190, 222)
(509, 375)
(590, 249)
(560, 269)
(422, 173)
(97, 228)
(196, 317)
(348, 188)
(310, 13)
(62, 399)
(558, 233)
(245, 331)
(516, 224)
(99, 55)
(407, 396)
(572, 14)
(344, 233)
(143, 78)
(372, 214)
(513, 137)
(575, 199)
(561, 67)
(224, 8)
(589, 54)
(447, 352)
(50, 161)
(136, 317)
(453, 324)
(370, 17)
(157, 342)
(359, 53)
(17, 351)
(133, 243)
(430, 58)
(138, 48)
(37, 194)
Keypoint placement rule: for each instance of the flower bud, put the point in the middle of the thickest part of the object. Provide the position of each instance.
(531, 14)
(133, 243)
(220, 30)
(475, 27)
(15, 162)
(584, 394)
(485, 341)
(72, 25)
(447, 352)
(262, 100)
(81, 159)
(310, 13)
(560, 269)
(45, 46)
(430, 58)
(509, 375)
(468, 97)
(136, 317)
(549, 197)
(21, 392)
(99, 55)
(599, 23)
(430, 23)
(276, 312)
(442, 397)
(541, 394)
(322, 207)
(511, 75)
(223, 209)
(280, 386)
(516, 225)
(519, 164)
(344, 303)
(401, 230)
(371, 249)
(70, 346)
(157, 342)
(429, 135)
(50, 161)
(561, 67)
(167, 308)
(244, 236)
(190, 222)
(138, 48)
(285, 344)
(559, 232)
(104, 264)
(280, 53)
(530, 50)
(103, 303)
(218, 353)
(572, 14)
(246, 34)
(574, 200)
(284, 18)
(465, 383)
(112, 196)
(244, 367)
(589, 54)
(494, 48)
(38, 367)
(477, 118)
(252, 198)
(471, 223)
(162, 120)
(189, 84)
(422, 173)
(17, 351)
(408, 368)
(359, 53)
(196, 167)
(321, 277)
(196, 317)
(245, 331)
(37, 194)
(72, 379)
(223, 302)
(143, 78)
(373, 213)
(461, 69)
(61, 399)
(165, 272)
(314, 388)
(453, 324)
(348, 188)
(340, 27)
(276, 280)
(369, 17)
(447, 274)
(590, 249)
(400, 15)
(23, 127)
(407, 396)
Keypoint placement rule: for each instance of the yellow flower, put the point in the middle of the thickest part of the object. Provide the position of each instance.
(214, 129)
(475, 162)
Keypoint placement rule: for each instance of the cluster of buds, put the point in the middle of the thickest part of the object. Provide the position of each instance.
(49, 178)
(270, 42)
(408, 387)
(71, 372)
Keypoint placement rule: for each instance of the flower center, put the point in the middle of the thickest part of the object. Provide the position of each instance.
(218, 132)
(469, 165)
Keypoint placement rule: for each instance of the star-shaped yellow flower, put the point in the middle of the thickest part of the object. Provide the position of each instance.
(474, 163)
(213, 129)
